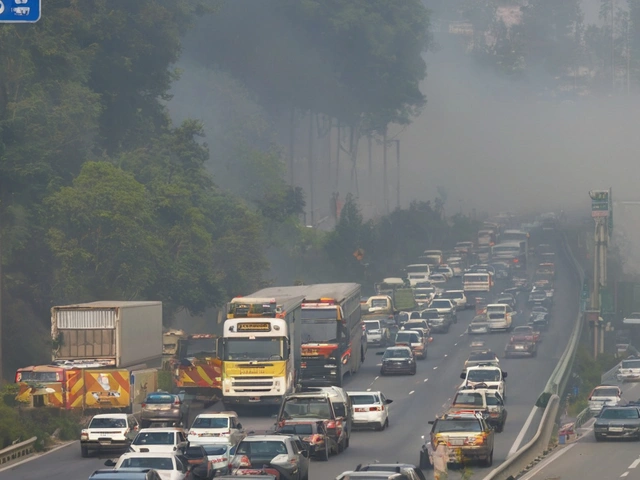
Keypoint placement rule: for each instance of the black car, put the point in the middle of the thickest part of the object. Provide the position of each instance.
(617, 422)
(313, 435)
(539, 320)
(539, 297)
(398, 359)
(506, 299)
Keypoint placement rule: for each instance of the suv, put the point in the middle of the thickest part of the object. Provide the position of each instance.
(341, 401)
(216, 425)
(370, 409)
(159, 440)
(480, 399)
(163, 407)
(491, 375)
(377, 332)
(310, 405)
(468, 437)
(313, 435)
(411, 471)
(415, 340)
(108, 431)
(285, 453)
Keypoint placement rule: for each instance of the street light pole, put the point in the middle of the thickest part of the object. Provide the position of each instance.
(398, 168)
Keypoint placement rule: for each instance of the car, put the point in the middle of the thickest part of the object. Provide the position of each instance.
(608, 395)
(377, 332)
(156, 440)
(483, 400)
(411, 471)
(445, 270)
(216, 425)
(500, 316)
(526, 332)
(285, 453)
(491, 375)
(520, 346)
(480, 324)
(108, 432)
(438, 278)
(463, 247)
(196, 459)
(468, 436)
(617, 422)
(484, 357)
(371, 410)
(539, 321)
(506, 299)
(168, 465)
(319, 406)
(398, 359)
(444, 306)
(163, 407)
(339, 399)
(418, 324)
(126, 474)
(414, 339)
(313, 435)
(458, 298)
(629, 370)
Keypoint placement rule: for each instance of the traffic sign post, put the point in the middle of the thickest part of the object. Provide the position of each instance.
(20, 11)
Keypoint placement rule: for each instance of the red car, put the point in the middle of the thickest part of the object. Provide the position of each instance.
(526, 333)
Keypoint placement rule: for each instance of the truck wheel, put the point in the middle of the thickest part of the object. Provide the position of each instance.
(489, 461)
(84, 451)
(424, 461)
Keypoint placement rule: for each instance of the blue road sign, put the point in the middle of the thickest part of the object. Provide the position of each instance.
(20, 11)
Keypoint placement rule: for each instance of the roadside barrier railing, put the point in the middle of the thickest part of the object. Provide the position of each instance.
(17, 451)
(550, 396)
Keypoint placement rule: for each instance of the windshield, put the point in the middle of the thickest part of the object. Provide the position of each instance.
(108, 423)
(492, 400)
(620, 413)
(201, 347)
(306, 407)
(364, 399)
(300, 429)
(155, 398)
(482, 356)
(506, 250)
(523, 331)
(417, 276)
(631, 364)
(451, 425)
(406, 337)
(39, 376)
(211, 422)
(417, 268)
(465, 398)
(212, 450)
(320, 325)
(372, 325)
(605, 392)
(413, 325)
(450, 295)
(441, 304)
(154, 438)
(497, 309)
(484, 375)
(379, 303)
(476, 278)
(397, 353)
(157, 463)
(254, 349)
(262, 449)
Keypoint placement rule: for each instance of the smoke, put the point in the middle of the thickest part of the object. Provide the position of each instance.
(496, 146)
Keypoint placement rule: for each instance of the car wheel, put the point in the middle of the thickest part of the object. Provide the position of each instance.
(500, 427)
(489, 461)
(424, 460)
(324, 456)
(84, 451)
(382, 372)
(413, 372)
(599, 438)
(341, 446)
(386, 423)
(380, 427)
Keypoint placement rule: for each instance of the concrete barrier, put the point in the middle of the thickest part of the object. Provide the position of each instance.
(17, 451)
(528, 454)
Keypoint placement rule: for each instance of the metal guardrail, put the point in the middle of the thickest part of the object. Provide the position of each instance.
(519, 461)
(583, 417)
(19, 450)
(515, 464)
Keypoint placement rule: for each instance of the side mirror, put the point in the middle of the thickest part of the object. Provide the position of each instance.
(305, 453)
(110, 463)
(239, 426)
(379, 353)
(430, 422)
(463, 375)
(504, 374)
(388, 401)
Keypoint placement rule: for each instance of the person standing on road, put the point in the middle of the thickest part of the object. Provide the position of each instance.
(439, 457)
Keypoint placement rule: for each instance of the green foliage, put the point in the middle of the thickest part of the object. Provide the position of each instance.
(165, 380)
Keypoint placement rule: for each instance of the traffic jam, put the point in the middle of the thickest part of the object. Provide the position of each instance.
(290, 351)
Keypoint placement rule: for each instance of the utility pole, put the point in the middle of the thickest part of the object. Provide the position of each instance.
(311, 179)
(398, 168)
(385, 183)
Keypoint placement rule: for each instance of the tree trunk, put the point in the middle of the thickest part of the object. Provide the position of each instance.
(370, 154)
(311, 179)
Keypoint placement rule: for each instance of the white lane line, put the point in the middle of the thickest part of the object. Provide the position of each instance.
(532, 473)
(446, 355)
(635, 463)
(523, 432)
(368, 389)
(425, 380)
(378, 364)
(411, 392)
(376, 378)
(624, 474)
(435, 368)
(35, 457)
(455, 344)
(462, 334)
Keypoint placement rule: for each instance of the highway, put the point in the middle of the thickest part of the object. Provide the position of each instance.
(587, 458)
(417, 399)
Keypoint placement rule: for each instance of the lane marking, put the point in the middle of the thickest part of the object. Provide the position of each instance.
(411, 392)
(635, 463)
(455, 344)
(376, 378)
(435, 368)
(36, 456)
(425, 380)
(624, 474)
(378, 364)
(446, 355)
(523, 432)
(462, 334)
(368, 389)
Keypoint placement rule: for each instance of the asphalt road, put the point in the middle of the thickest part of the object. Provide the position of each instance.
(586, 458)
(417, 399)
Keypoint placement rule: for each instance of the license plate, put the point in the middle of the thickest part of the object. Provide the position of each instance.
(456, 442)
(104, 442)
(519, 347)
(616, 429)
(250, 371)
(310, 353)
(254, 399)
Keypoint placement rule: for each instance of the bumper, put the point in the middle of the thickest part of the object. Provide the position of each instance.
(625, 433)
(499, 326)
(375, 339)
(159, 416)
(389, 369)
(527, 352)
(112, 445)
(368, 419)
(478, 331)
(438, 327)
(468, 453)
(262, 400)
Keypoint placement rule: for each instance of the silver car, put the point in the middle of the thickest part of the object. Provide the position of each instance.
(284, 452)
(617, 422)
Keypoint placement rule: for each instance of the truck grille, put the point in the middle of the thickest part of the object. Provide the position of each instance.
(253, 385)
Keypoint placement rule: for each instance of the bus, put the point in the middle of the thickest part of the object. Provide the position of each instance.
(259, 349)
(477, 282)
(516, 236)
(514, 252)
(332, 335)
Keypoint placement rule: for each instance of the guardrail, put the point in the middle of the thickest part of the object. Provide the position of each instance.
(519, 461)
(19, 450)
(610, 376)
(583, 417)
(515, 464)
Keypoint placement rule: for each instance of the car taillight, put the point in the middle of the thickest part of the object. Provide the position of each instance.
(84, 435)
(376, 409)
(144, 405)
(315, 438)
(176, 401)
(331, 424)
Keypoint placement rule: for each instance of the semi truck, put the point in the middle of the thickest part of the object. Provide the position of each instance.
(260, 348)
(113, 333)
(174, 343)
(198, 368)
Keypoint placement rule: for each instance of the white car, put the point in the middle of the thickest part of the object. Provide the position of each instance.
(216, 425)
(629, 370)
(457, 296)
(168, 466)
(219, 453)
(492, 376)
(445, 270)
(377, 334)
(437, 278)
(159, 440)
(443, 306)
(370, 410)
(608, 395)
(108, 431)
